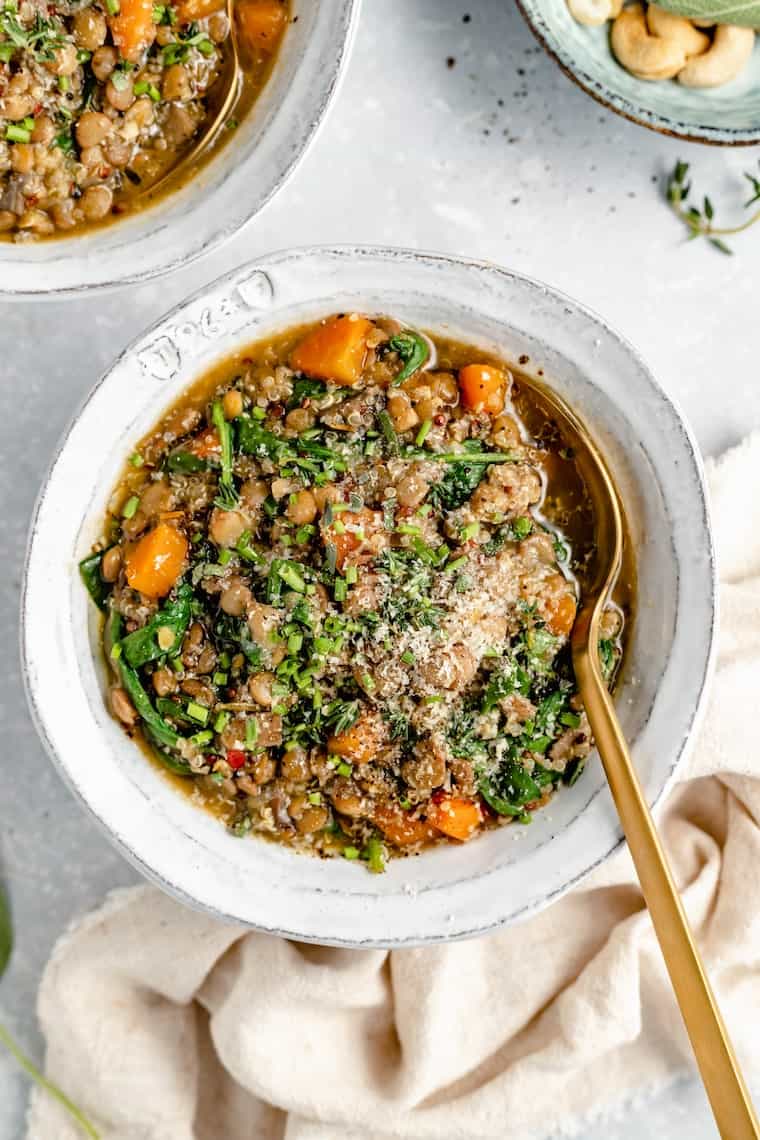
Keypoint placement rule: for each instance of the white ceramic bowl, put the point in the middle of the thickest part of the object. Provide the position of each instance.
(233, 187)
(448, 892)
(724, 116)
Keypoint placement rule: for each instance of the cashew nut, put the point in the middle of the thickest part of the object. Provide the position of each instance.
(670, 27)
(644, 55)
(729, 54)
(594, 12)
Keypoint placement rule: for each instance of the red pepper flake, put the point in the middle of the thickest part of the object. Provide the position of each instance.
(439, 795)
(277, 410)
(235, 758)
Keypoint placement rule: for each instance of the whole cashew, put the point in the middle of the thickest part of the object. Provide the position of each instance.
(594, 12)
(728, 55)
(670, 27)
(644, 55)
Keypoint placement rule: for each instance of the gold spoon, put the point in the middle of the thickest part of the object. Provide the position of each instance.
(721, 1075)
(224, 93)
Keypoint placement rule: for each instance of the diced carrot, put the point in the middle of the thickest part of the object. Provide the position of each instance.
(360, 742)
(560, 615)
(335, 350)
(206, 444)
(356, 529)
(133, 29)
(401, 827)
(261, 23)
(455, 817)
(483, 388)
(154, 564)
(189, 10)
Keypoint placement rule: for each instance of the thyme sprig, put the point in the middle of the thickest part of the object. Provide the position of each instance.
(6, 945)
(700, 221)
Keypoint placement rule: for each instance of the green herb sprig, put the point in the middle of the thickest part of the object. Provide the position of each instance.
(700, 221)
(25, 1062)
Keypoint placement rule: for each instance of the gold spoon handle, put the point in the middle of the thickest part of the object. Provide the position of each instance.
(723, 1081)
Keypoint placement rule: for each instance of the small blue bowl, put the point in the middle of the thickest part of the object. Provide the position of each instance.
(721, 116)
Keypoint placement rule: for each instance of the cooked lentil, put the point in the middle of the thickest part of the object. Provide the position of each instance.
(99, 99)
(350, 632)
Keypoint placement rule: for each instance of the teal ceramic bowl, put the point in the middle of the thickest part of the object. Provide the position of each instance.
(723, 116)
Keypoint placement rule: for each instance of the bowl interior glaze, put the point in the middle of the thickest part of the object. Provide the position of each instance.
(449, 892)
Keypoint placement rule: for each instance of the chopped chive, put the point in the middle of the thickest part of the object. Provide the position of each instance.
(352, 575)
(322, 644)
(292, 577)
(425, 509)
(339, 527)
(112, 7)
(340, 590)
(130, 507)
(202, 738)
(116, 652)
(470, 531)
(343, 769)
(314, 797)
(251, 732)
(205, 47)
(422, 434)
(350, 852)
(224, 660)
(367, 683)
(388, 430)
(221, 722)
(408, 657)
(224, 557)
(433, 700)
(136, 460)
(15, 133)
(258, 413)
(219, 678)
(374, 854)
(455, 565)
(197, 712)
(406, 528)
(295, 641)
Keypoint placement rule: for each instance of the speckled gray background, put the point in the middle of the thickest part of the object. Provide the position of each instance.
(449, 133)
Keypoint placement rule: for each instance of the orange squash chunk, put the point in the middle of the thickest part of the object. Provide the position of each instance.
(483, 388)
(261, 23)
(560, 615)
(361, 742)
(400, 827)
(206, 444)
(335, 351)
(155, 563)
(190, 10)
(133, 29)
(456, 817)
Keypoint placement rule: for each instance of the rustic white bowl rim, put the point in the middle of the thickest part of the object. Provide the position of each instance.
(449, 892)
(231, 189)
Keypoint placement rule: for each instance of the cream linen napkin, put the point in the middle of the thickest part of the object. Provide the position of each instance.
(165, 1025)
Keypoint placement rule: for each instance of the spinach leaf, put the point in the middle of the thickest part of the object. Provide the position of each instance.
(413, 350)
(304, 387)
(227, 499)
(142, 646)
(97, 588)
(253, 439)
(159, 728)
(509, 788)
(185, 463)
(460, 479)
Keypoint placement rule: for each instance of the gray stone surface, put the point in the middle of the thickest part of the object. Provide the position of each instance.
(496, 156)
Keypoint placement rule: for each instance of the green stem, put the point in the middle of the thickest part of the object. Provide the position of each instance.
(717, 231)
(28, 1065)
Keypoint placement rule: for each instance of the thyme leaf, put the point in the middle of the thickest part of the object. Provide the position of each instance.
(699, 220)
